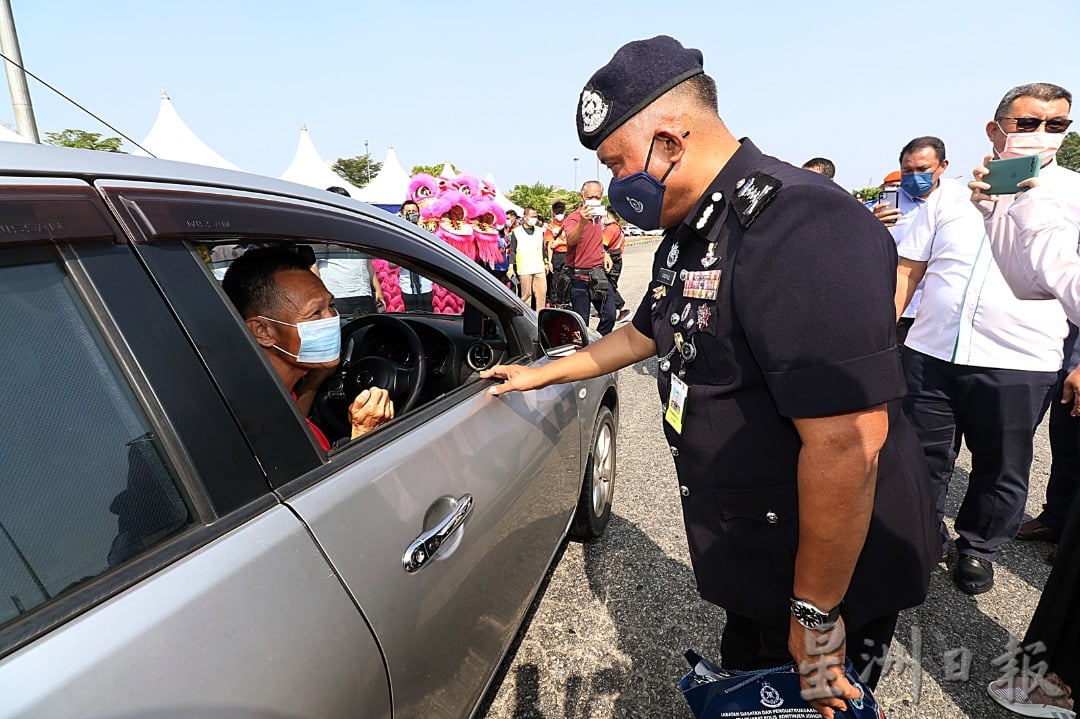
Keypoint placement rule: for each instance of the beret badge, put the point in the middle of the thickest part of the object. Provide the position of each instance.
(594, 110)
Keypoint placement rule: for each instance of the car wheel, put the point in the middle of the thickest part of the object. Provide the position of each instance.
(598, 487)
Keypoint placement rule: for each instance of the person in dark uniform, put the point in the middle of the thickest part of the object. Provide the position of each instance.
(805, 493)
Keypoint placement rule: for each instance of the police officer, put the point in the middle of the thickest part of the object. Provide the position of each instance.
(804, 491)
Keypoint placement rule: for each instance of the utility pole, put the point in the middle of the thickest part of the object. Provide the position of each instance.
(575, 173)
(367, 164)
(20, 93)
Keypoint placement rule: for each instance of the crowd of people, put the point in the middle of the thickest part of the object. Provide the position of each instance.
(775, 308)
(563, 260)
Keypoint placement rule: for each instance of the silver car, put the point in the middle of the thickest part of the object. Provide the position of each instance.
(173, 540)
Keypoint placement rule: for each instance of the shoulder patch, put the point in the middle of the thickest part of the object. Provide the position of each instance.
(753, 194)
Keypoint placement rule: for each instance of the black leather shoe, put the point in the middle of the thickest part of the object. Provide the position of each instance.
(974, 575)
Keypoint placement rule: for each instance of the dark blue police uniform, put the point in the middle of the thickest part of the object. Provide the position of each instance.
(773, 300)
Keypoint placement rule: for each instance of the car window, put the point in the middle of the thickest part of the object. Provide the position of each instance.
(458, 339)
(85, 484)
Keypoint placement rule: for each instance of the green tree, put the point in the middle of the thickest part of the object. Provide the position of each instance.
(433, 170)
(84, 140)
(867, 194)
(1069, 154)
(357, 171)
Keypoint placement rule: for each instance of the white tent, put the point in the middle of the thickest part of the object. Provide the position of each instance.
(171, 139)
(308, 168)
(390, 186)
(7, 135)
(447, 171)
(502, 200)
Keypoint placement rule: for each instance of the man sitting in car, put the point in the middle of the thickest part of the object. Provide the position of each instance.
(291, 314)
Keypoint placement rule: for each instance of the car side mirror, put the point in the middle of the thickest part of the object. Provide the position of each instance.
(561, 332)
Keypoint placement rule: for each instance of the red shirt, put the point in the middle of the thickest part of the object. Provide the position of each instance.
(323, 441)
(589, 251)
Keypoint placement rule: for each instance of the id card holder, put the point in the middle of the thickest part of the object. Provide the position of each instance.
(676, 403)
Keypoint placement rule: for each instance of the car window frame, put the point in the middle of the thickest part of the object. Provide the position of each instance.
(162, 217)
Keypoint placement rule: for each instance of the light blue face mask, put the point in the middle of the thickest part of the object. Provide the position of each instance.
(639, 197)
(320, 340)
(917, 184)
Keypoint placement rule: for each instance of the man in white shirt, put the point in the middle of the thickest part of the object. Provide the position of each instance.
(1034, 237)
(898, 219)
(980, 365)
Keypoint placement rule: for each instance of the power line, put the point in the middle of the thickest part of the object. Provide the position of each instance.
(102, 121)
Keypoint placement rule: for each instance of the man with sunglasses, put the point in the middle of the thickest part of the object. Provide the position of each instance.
(1034, 239)
(980, 364)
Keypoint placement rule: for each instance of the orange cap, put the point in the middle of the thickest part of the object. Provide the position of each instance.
(893, 176)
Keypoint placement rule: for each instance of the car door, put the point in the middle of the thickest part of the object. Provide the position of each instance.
(146, 568)
(508, 468)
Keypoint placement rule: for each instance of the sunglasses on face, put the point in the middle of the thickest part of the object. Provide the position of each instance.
(1031, 124)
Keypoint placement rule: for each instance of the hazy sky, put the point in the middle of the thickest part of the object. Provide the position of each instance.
(493, 86)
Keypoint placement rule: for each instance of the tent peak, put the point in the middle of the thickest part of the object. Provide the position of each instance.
(165, 95)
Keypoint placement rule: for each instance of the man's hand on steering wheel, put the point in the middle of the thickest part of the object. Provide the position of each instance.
(371, 408)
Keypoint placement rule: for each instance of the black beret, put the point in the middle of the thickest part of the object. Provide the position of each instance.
(637, 74)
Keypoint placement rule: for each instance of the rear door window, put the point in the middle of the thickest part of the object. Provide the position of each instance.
(85, 483)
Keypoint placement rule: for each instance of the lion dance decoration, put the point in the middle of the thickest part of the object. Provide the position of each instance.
(461, 212)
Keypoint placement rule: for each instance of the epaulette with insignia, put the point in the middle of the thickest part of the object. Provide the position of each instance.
(753, 193)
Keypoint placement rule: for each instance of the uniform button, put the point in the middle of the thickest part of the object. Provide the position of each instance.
(674, 451)
(771, 517)
(717, 196)
(684, 490)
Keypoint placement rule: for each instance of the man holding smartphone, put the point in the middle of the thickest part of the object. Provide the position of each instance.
(1034, 240)
(586, 259)
(979, 363)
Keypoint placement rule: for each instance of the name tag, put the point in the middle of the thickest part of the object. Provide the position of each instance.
(676, 404)
(667, 276)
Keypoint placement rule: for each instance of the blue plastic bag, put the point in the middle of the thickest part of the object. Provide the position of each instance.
(715, 693)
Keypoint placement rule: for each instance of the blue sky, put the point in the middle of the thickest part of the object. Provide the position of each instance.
(493, 86)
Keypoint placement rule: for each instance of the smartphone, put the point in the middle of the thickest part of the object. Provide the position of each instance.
(892, 197)
(1005, 174)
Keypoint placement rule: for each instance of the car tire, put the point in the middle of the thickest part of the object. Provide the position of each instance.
(598, 486)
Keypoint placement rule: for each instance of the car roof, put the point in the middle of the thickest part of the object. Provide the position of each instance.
(21, 159)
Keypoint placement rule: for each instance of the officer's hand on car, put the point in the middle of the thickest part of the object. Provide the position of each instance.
(819, 656)
(518, 378)
(371, 408)
(888, 214)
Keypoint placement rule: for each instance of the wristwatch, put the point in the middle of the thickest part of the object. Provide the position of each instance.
(811, 617)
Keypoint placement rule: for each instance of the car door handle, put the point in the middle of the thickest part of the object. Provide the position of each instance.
(427, 545)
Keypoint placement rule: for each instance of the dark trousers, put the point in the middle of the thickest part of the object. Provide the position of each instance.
(1064, 480)
(996, 412)
(355, 306)
(1056, 622)
(613, 278)
(748, 644)
(558, 261)
(580, 298)
(417, 303)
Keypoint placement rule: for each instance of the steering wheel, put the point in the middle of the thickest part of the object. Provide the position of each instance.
(355, 374)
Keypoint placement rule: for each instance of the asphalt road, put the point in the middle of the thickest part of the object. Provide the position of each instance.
(607, 637)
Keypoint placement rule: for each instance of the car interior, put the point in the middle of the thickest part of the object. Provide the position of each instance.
(401, 329)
